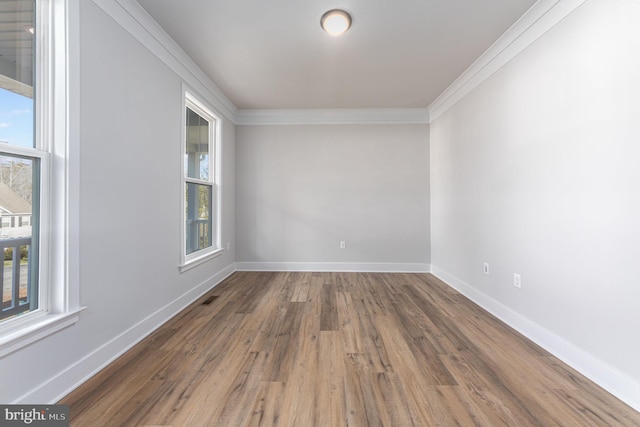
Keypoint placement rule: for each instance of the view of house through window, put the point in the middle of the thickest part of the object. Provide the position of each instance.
(20, 161)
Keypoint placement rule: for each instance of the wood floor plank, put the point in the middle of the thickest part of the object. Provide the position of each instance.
(393, 403)
(480, 391)
(199, 401)
(265, 411)
(404, 364)
(408, 318)
(299, 349)
(284, 350)
(299, 398)
(244, 391)
(372, 293)
(329, 309)
(587, 400)
(330, 408)
(362, 409)
(301, 289)
(252, 297)
(373, 346)
(111, 389)
(349, 325)
(190, 368)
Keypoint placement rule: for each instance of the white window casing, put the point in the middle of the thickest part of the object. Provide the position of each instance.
(190, 260)
(55, 132)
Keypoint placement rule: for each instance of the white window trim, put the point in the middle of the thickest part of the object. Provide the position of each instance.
(189, 261)
(56, 134)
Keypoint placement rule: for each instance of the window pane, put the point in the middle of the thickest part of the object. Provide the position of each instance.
(197, 156)
(198, 214)
(19, 196)
(16, 72)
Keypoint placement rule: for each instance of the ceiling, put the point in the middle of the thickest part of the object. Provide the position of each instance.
(274, 54)
(16, 45)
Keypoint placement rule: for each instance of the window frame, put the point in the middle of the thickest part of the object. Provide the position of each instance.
(188, 261)
(55, 107)
(42, 156)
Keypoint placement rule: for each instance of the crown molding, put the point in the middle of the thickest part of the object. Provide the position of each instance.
(333, 116)
(135, 20)
(539, 19)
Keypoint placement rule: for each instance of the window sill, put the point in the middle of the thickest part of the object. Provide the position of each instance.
(22, 333)
(194, 262)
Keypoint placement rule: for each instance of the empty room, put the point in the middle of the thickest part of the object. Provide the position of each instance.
(320, 213)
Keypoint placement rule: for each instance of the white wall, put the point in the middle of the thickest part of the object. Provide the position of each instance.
(130, 192)
(536, 172)
(301, 189)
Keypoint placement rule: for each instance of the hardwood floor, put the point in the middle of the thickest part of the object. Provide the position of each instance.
(340, 349)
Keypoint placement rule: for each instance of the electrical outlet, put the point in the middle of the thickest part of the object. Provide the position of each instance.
(485, 268)
(343, 244)
(517, 282)
(228, 246)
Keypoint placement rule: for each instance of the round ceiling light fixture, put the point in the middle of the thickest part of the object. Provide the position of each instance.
(336, 22)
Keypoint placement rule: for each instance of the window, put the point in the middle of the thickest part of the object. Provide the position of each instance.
(19, 237)
(22, 158)
(38, 189)
(200, 171)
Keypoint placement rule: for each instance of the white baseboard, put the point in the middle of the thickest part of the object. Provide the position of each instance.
(68, 380)
(335, 267)
(607, 377)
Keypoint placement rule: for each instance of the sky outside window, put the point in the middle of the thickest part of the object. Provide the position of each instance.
(16, 119)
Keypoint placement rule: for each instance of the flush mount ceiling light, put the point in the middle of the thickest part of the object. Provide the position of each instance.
(336, 22)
